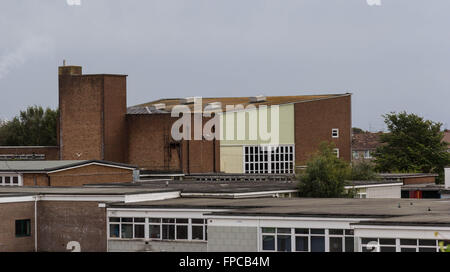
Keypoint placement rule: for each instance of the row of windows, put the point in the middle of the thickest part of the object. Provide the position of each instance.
(9, 180)
(400, 245)
(269, 159)
(158, 228)
(22, 157)
(307, 240)
(367, 154)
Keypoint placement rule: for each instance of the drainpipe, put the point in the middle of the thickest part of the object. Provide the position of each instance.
(36, 198)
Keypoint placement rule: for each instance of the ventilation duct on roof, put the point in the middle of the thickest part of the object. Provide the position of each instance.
(188, 100)
(159, 106)
(258, 99)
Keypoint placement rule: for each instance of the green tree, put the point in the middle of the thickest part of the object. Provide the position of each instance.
(325, 175)
(32, 127)
(413, 144)
(363, 170)
(357, 130)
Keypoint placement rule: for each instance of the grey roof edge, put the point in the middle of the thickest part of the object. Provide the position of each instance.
(327, 215)
(80, 163)
(397, 223)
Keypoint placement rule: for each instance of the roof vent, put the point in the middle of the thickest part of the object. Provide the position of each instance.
(213, 106)
(258, 99)
(159, 106)
(188, 100)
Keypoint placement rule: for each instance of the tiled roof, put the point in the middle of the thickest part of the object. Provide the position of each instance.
(447, 137)
(245, 101)
(366, 141)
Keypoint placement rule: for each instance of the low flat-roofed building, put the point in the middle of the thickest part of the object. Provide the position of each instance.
(375, 188)
(63, 173)
(276, 224)
(410, 178)
(53, 219)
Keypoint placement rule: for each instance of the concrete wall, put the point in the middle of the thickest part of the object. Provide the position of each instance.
(9, 213)
(384, 192)
(61, 222)
(232, 239)
(155, 246)
(447, 178)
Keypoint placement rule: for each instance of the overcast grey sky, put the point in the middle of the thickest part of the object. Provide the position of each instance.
(392, 57)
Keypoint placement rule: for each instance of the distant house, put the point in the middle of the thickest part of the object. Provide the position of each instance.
(364, 145)
(447, 139)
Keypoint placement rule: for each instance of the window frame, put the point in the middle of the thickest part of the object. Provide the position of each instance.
(268, 159)
(335, 133)
(27, 228)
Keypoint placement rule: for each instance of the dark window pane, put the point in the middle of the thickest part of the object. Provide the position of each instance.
(23, 228)
(408, 242)
(365, 241)
(139, 231)
(387, 249)
(284, 243)
(15, 180)
(349, 232)
(302, 231)
(268, 230)
(168, 232)
(387, 241)
(268, 242)
(335, 244)
(114, 219)
(114, 231)
(197, 232)
(424, 249)
(182, 232)
(139, 220)
(301, 243)
(336, 232)
(154, 231)
(317, 231)
(197, 221)
(317, 244)
(407, 250)
(168, 220)
(154, 220)
(7, 180)
(127, 231)
(283, 230)
(182, 221)
(349, 244)
(127, 219)
(427, 242)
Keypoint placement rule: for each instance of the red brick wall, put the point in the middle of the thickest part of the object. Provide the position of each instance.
(148, 138)
(419, 180)
(9, 213)
(91, 174)
(63, 221)
(92, 117)
(313, 124)
(50, 152)
(35, 179)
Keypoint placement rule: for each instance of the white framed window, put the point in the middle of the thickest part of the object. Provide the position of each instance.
(11, 180)
(355, 155)
(157, 228)
(336, 151)
(269, 159)
(307, 240)
(399, 245)
(335, 133)
(367, 154)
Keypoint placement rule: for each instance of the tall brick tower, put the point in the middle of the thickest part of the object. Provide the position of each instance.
(92, 123)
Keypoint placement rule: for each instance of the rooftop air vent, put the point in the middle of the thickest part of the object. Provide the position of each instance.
(159, 106)
(188, 100)
(258, 99)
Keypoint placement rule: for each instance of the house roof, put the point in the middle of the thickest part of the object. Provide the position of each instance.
(49, 166)
(245, 101)
(447, 137)
(366, 141)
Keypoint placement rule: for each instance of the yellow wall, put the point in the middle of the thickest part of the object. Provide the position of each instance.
(286, 127)
(231, 159)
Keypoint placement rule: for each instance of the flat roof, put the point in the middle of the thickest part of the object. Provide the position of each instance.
(371, 182)
(302, 207)
(407, 175)
(47, 166)
(8, 191)
(245, 101)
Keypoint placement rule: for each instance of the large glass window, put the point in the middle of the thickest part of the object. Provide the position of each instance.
(403, 245)
(269, 159)
(23, 228)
